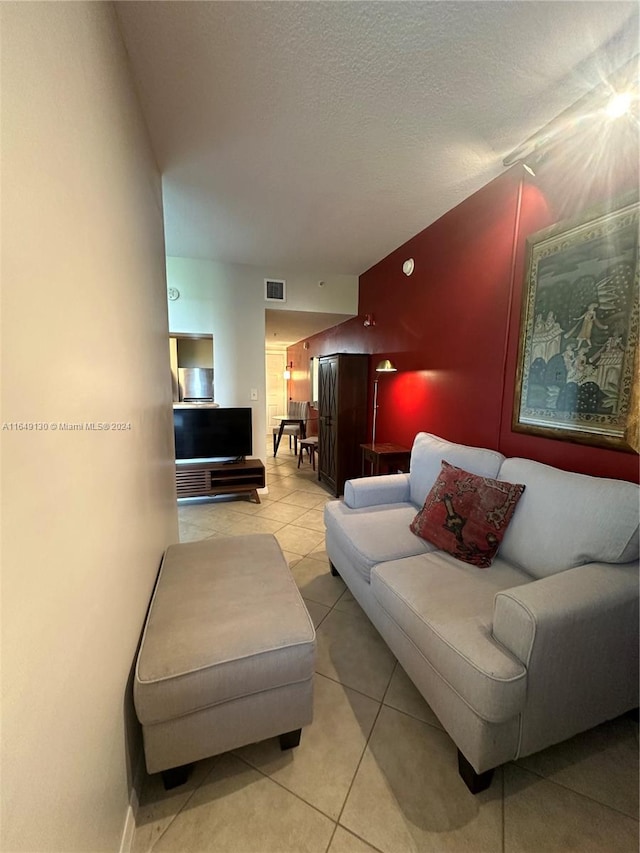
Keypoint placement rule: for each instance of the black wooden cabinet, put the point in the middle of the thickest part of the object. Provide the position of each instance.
(342, 426)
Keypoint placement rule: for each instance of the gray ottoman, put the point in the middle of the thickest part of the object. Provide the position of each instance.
(227, 654)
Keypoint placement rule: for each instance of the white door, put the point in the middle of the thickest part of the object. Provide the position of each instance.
(276, 386)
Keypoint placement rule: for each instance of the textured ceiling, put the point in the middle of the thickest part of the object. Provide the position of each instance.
(321, 136)
(288, 327)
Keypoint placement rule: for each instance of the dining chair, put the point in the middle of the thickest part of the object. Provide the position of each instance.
(310, 444)
(295, 411)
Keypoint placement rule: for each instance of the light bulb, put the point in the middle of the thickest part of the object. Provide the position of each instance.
(619, 104)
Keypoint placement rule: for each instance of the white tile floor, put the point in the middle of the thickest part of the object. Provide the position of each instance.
(375, 770)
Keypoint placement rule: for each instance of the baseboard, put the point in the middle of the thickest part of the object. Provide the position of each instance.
(129, 829)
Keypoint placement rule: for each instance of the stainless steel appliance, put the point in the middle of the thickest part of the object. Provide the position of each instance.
(195, 384)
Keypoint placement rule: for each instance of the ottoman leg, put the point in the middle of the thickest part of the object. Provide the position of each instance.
(334, 571)
(175, 776)
(290, 739)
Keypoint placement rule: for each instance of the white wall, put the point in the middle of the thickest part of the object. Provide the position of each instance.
(86, 515)
(227, 300)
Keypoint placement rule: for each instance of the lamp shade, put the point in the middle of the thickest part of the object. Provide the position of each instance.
(386, 366)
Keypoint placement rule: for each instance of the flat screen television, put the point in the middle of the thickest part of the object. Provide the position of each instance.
(208, 433)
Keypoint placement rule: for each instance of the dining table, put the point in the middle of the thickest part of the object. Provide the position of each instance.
(284, 421)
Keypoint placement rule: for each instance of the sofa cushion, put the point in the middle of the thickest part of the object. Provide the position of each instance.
(565, 520)
(446, 608)
(466, 515)
(373, 534)
(428, 452)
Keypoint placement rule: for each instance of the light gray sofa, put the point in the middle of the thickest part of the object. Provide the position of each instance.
(524, 654)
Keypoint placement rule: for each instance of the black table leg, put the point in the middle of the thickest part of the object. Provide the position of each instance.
(276, 441)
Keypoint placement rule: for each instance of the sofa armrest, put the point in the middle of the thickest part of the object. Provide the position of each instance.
(577, 634)
(376, 491)
(565, 605)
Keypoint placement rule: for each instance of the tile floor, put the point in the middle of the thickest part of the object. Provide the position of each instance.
(375, 771)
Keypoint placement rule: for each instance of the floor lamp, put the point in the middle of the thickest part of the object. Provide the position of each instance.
(384, 366)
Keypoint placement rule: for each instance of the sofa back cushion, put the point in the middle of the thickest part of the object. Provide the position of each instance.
(565, 520)
(426, 459)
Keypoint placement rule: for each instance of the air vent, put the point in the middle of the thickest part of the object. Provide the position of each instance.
(275, 290)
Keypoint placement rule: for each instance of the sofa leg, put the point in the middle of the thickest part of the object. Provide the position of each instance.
(175, 776)
(475, 782)
(334, 571)
(290, 739)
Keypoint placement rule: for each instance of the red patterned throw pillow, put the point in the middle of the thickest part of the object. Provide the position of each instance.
(466, 515)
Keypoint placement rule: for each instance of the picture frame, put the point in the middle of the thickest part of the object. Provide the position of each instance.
(577, 370)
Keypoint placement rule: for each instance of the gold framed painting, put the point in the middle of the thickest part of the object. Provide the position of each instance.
(577, 373)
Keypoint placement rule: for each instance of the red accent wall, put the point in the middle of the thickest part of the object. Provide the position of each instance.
(452, 328)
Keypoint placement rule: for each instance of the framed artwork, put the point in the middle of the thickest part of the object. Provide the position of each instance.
(577, 373)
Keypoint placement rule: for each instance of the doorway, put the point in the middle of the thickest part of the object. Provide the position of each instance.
(276, 396)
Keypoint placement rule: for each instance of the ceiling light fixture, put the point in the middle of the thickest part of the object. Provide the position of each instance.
(408, 266)
(612, 98)
(619, 104)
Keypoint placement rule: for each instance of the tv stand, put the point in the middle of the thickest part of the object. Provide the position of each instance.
(235, 461)
(206, 479)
